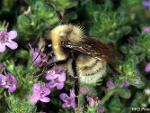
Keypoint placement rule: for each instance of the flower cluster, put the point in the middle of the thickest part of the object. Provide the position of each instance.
(92, 101)
(126, 84)
(37, 57)
(69, 100)
(83, 90)
(7, 81)
(111, 85)
(39, 93)
(6, 39)
(56, 77)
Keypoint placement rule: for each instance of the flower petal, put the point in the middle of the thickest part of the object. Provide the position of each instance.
(146, 3)
(110, 84)
(63, 97)
(2, 47)
(12, 88)
(51, 84)
(33, 99)
(101, 110)
(147, 67)
(10, 82)
(72, 93)
(60, 85)
(12, 45)
(36, 88)
(62, 77)
(45, 99)
(83, 90)
(11, 78)
(12, 34)
(73, 103)
(45, 91)
(66, 105)
(2, 80)
(52, 77)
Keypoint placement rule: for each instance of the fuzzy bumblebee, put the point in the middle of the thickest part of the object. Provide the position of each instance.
(86, 56)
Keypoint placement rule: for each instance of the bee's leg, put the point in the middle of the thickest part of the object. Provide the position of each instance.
(45, 67)
(75, 75)
(76, 78)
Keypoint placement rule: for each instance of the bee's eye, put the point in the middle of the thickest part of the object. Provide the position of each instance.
(49, 45)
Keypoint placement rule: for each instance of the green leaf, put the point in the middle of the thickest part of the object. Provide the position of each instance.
(124, 93)
(64, 4)
(18, 105)
(115, 105)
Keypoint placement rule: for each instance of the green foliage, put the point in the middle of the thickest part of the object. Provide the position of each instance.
(116, 106)
(107, 24)
(39, 16)
(124, 93)
(92, 110)
(143, 43)
(7, 5)
(3, 26)
(42, 15)
(19, 105)
(63, 4)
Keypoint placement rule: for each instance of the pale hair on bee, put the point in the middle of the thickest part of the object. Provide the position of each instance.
(83, 55)
(64, 33)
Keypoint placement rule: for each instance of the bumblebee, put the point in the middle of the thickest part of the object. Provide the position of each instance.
(82, 55)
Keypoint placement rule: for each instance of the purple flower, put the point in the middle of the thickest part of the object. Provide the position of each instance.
(110, 84)
(40, 93)
(6, 39)
(69, 101)
(146, 29)
(2, 80)
(93, 101)
(101, 110)
(146, 3)
(9, 82)
(37, 57)
(147, 67)
(56, 77)
(126, 84)
(83, 90)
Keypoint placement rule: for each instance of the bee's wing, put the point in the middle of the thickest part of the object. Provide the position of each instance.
(93, 47)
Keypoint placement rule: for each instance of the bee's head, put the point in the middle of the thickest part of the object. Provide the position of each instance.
(63, 33)
(67, 33)
(45, 46)
(58, 35)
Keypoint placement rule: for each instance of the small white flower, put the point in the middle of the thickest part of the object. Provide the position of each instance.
(147, 91)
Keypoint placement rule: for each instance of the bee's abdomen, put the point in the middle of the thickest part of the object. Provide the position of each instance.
(89, 69)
